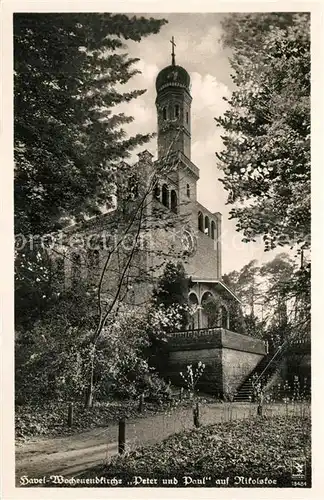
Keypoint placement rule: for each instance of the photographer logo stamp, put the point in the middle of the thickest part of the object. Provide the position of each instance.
(298, 468)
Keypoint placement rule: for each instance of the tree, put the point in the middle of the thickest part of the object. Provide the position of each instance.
(266, 156)
(276, 311)
(69, 69)
(68, 142)
(50, 357)
(246, 284)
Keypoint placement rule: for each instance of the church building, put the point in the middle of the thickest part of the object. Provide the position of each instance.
(176, 228)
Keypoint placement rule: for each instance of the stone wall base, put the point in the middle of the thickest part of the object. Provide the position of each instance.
(229, 358)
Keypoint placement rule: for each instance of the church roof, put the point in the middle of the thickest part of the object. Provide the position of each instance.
(173, 76)
(218, 284)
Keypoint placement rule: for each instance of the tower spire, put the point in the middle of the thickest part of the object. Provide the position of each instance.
(172, 53)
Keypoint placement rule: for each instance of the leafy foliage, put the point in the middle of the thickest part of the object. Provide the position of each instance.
(266, 156)
(122, 361)
(69, 140)
(226, 448)
(69, 72)
(172, 290)
(50, 356)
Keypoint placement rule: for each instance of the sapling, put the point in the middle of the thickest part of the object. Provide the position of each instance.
(191, 377)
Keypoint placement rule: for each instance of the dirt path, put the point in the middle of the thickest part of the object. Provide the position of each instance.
(72, 455)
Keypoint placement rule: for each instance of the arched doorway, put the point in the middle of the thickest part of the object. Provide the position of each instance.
(210, 311)
(165, 196)
(207, 226)
(174, 201)
(194, 318)
(200, 222)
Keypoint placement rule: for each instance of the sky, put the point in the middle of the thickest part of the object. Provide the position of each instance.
(200, 52)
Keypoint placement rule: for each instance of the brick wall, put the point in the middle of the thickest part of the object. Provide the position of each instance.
(229, 358)
(211, 380)
(236, 366)
(204, 263)
(239, 342)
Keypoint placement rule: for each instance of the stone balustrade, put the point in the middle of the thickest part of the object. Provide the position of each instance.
(201, 338)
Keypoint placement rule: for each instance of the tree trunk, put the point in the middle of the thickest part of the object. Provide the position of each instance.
(90, 389)
(89, 396)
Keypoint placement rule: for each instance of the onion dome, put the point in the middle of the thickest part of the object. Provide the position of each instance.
(172, 76)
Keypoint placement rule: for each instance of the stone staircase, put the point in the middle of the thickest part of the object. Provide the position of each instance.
(265, 369)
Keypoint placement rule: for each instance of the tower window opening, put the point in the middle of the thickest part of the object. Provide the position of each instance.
(174, 202)
(133, 188)
(157, 191)
(200, 222)
(165, 196)
(212, 229)
(187, 117)
(188, 190)
(177, 111)
(164, 113)
(207, 226)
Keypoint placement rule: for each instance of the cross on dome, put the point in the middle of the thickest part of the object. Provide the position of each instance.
(172, 53)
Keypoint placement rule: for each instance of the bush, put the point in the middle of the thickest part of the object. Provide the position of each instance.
(50, 356)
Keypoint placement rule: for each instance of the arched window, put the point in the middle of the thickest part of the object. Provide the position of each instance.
(193, 299)
(188, 190)
(174, 201)
(176, 111)
(209, 310)
(164, 113)
(207, 226)
(200, 222)
(76, 269)
(212, 229)
(157, 191)
(207, 296)
(133, 187)
(165, 195)
(194, 303)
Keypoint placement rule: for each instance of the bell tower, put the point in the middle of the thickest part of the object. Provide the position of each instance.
(173, 105)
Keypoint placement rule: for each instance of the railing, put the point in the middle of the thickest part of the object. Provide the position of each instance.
(216, 337)
(195, 332)
(280, 351)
